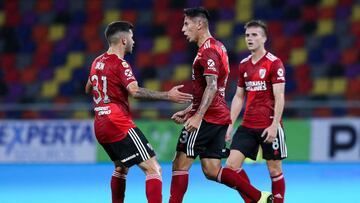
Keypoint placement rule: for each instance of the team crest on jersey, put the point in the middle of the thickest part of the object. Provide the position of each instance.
(211, 64)
(262, 72)
(125, 65)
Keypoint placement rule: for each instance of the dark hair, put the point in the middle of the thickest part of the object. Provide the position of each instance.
(197, 12)
(257, 23)
(115, 27)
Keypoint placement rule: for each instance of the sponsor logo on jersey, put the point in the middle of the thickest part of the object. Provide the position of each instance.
(262, 72)
(100, 66)
(102, 110)
(128, 73)
(280, 73)
(255, 85)
(211, 64)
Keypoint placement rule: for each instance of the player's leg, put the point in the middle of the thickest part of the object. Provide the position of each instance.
(180, 176)
(186, 152)
(153, 183)
(274, 153)
(118, 182)
(235, 161)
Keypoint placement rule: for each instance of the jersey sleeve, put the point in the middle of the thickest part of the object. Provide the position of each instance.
(126, 75)
(211, 62)
(241, 80)
(277, 72)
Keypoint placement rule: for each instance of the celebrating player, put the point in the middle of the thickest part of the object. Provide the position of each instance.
(111, 81)
(207, 119)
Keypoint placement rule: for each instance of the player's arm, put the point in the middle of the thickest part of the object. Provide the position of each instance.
(236, 106)
(172, 95)
(209, 93)
(88, 87)
(279, 96)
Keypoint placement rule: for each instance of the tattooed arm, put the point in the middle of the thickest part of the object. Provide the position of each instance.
(193, 122)
(172, 95)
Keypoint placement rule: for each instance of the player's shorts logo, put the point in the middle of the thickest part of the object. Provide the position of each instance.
(262, 72)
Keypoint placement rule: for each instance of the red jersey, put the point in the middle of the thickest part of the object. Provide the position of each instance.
(257, 79)
(211, 59)
(109, 76)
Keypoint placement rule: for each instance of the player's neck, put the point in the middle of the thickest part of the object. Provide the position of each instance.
(203, 37)
(256, 55)
(118, 52)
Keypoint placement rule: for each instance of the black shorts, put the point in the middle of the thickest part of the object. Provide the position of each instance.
(248, 140)
(131, 150)
(208, 141)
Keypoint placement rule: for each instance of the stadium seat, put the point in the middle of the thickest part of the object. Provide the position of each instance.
(321, 86)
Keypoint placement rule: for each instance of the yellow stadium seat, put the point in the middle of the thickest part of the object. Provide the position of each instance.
(240, 44)
(75, 59)
(56, 32)
(321, 86)
(2, 18)
(326, 3)
(224, 29)
(298, 56)
(243, 11)
(325, 27)
(110, 16)
(152, 84)
(162, 44)
(150, 114)
(182, 72)
(81, 114)
(49, 89)
(338, 86)
(355, 16)
(62, 74)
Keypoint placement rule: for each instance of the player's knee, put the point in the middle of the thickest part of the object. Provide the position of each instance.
(153, 169)
(210, 174)
(274, 171)
(232, 165)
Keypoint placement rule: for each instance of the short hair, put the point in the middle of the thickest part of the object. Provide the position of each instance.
(197, 12)
(257, 23)
(115, 27)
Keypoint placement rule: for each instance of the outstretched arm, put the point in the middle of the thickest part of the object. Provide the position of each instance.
(193, 123)
(172, 95)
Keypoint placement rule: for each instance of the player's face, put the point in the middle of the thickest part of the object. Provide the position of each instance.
(129, 42)
(190, 29)
(254, 38)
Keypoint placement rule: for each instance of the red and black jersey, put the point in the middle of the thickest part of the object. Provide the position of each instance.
(110, 76)
(257, 80)
(211, 59)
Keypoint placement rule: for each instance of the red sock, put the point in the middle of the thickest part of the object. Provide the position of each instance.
(179, 183)
(118, 184)
(154, 188)
(278, 188)
(244, 176)
(230, 178)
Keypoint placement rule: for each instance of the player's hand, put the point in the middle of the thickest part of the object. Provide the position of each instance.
(228, 134)
(270, 133)
(193, 123)
(180, 97)
(180, 117)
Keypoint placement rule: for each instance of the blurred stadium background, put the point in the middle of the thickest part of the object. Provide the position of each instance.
(47, 47)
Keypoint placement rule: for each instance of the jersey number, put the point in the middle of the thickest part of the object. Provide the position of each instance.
(104, 89)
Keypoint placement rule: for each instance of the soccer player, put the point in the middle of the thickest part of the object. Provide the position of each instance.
(207, 119)
(262, 81)
(111, 81)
